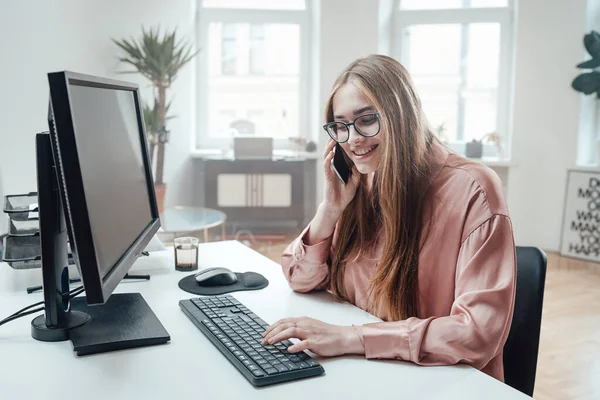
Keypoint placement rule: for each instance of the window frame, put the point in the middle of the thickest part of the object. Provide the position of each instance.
(504, 16)
(206, 16)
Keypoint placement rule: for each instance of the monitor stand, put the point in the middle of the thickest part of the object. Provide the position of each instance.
(124, 321)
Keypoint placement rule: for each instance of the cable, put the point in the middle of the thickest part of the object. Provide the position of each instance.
(76, 292)
(24, 309)
(13, 317)
(22, 312)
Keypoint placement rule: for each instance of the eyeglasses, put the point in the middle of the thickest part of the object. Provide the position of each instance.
(366, 125)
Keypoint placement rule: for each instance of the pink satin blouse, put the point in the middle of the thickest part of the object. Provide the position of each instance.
(467, 272)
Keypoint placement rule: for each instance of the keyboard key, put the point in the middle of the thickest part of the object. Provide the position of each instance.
(271, 371)
(280, 367)
(291, 366)
(246, 362)
(302, 365)
(258, 372)
(311, 362)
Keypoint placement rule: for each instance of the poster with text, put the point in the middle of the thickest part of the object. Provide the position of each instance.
(581, 217)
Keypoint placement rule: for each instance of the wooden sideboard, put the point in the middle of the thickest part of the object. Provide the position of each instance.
(257, 193)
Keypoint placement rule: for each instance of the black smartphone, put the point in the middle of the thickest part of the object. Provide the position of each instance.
(339, 164)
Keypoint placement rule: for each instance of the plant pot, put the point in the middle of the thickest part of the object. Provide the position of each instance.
(160, 196)
(474, 149)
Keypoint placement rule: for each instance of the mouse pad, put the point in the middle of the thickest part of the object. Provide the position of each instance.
(245, 281)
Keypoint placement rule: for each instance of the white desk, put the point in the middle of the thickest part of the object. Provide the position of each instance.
(189, 367)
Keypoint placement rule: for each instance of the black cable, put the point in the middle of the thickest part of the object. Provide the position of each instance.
(70, 292)
(22, 312)
(26, 308)
(13, 317)
(76, 292)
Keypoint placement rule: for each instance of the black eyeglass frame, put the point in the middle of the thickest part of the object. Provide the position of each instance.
(353, 123)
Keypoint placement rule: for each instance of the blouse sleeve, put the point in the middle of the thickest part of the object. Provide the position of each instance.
(306, 267)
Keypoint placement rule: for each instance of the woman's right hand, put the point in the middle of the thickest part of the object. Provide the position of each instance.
(337, 195)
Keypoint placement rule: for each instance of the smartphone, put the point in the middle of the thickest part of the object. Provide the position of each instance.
(339, 164)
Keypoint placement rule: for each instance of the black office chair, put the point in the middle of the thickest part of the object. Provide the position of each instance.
(521, 348)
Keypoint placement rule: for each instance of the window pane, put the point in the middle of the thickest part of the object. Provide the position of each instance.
(455, 70)
(434, 63)
(483, 57)
(228, 50)
(258, 92)
(445, 4)
(260, 4)
(257, 49)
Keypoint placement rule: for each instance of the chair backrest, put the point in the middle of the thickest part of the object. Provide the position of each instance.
(521, 348)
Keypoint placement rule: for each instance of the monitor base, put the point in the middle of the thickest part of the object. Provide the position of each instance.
(124, 321)
(41, 332)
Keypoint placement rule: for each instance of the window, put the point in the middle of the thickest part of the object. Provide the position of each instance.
(257, 49)
(457, 54)
(228, 49)
(252, 70)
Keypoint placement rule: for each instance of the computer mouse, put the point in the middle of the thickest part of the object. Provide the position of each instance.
(215, 277)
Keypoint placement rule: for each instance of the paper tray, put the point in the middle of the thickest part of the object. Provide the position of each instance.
(25, 252)
(29, 227)
(21, 203)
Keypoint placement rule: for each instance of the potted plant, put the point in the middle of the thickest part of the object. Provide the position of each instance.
(158, 58)
(589, 82)
(475, 147)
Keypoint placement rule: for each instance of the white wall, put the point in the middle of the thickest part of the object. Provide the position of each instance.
(40, 36)
(546, 116)
(354, 35)
(589, 113)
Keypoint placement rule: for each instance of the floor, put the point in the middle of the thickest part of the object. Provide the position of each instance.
(569, 355)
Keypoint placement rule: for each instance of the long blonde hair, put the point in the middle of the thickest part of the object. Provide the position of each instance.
(394, 201)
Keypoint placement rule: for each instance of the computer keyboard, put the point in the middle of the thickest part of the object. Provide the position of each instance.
(237, 332)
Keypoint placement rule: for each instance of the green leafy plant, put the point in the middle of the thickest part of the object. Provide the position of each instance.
(159, 58)
(152, 122)
(589, 82)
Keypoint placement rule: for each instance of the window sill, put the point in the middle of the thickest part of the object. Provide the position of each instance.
(494, 162)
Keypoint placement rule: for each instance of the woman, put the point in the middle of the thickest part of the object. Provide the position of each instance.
(418, 236)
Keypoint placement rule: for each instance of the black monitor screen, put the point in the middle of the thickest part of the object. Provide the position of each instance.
(112, 169)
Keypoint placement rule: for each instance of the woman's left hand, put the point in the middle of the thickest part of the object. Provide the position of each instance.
(320, 338)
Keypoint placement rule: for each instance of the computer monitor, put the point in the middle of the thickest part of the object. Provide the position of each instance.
(95, 186)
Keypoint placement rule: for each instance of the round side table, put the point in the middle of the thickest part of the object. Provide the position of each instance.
(181, 220)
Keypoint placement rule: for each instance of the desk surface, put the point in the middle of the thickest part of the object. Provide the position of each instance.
(190, 367)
